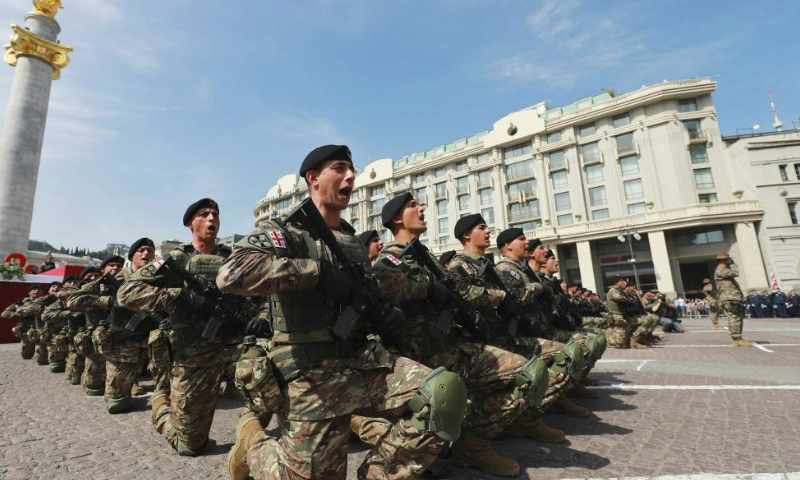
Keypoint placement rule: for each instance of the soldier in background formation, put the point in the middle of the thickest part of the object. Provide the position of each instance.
(711, 295)
(731, 298)
(56, 316)
(26, 322)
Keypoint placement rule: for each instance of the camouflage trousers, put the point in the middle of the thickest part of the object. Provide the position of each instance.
(735, 313)
(316, 416)
(76, 363)
(594, 322)
(27, 347)
(643, 326)
(57, 352)
(618, 334)
(713, 312)
(195, 379)
(160, 360)
(41, 346)
(93, 379)
(123, 365)
(559, 383)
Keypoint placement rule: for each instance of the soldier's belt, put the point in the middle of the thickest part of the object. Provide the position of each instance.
(293, 360)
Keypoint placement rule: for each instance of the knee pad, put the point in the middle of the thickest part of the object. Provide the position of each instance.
(255, 379)
(574, 353)
(184, 451)
(596, 345)
(440, 404)
(118, 405)
(532, 382)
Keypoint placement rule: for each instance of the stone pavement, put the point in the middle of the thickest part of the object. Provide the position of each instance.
(693, 405)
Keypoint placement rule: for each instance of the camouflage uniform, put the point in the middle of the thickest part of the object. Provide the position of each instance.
(489, 372)
(324, 380)
(76, 360)
(197, 363)
(56, 315)
(95, 301)
(26, 323)
(642, 323)
(730, 298)
(44, 332)
(711, 297)
(160, 357)
(618, 333)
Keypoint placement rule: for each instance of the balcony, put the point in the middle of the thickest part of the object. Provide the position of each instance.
(462, 188)
(626, 149)
(697, 136)
(518, 173)
(590, 158)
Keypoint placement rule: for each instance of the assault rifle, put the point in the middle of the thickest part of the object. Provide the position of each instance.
(513, 313)
(365, 303)
(140, 322)
(225, 309)
(456, 309)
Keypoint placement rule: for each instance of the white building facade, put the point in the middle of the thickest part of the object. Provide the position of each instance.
(650, 164)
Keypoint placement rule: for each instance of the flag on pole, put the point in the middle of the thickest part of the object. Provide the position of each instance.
(773, 280)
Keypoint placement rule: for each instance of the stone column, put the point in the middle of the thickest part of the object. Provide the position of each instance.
(39, 60)
(661, 263)
(751, 265)
(586, 265)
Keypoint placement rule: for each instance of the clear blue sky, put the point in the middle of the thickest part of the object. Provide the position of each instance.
(166, 102)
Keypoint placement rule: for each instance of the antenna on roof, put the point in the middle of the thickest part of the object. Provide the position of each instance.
(777, 125)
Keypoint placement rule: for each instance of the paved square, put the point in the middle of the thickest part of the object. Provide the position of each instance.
(694, 405)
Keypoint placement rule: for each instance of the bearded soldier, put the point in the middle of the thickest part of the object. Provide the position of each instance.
(731, 297)
(326, 373)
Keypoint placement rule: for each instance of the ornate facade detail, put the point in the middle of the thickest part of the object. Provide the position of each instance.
(48, 8)
(24, 42)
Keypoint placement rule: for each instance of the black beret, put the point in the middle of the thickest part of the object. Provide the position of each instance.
(112, 259)
(532, 244)
(202, 203)
(138, 243)
(34, 287)
(393, 207)
(508, 235)
(365, 237)
(549, 254)
(446, 257)
(325, 153)
(87, 271)
(70, 278)
(467, 222)
(54, 283)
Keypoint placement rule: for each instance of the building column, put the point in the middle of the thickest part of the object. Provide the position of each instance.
(586, 265)
(661, 263)
(751, 264)
(541, 189)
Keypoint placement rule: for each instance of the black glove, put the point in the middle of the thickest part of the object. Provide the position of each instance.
(392, 326)
(258, 327)
(532, 326)
(333, 283)
(76, 320)
(192, 303)
(507, 307)
(477, 325)
(438, 293)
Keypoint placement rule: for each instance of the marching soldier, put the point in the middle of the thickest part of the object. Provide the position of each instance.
(731, 297)
(56, 316)
(372, 242)
(44, 332)
(26, 322)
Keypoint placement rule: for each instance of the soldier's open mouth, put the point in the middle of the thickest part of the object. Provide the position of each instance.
(212, 228)
(346, 191)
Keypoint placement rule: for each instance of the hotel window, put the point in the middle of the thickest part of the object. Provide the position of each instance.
(379, 190)
(633, 189)
(699, 236)
(488, 215)
(564, 220)
(591, 153)
(462, 185)
(525, 225)
(421, 195)
(597, 196)
(708, 198)
(703, 178)
(797, 170)
(554, 137)
(444, 226)
(600, 214)
(692, 125)
(486, 196)
(444, 239)
(784, 174)
(520, 170)
(441, 207)
(419, 178)
(621, 120)
(401, 181)
(375, 206)
(484, 178)
(462, 166)
(556, 159)
(440, 172)
(629, 166)
(562, 202)
(793, 212)
(586, 130)
(528, 187)
(521, 211)
(699, 153)
(440, 189)
(463, 202)
(687, 105)
(625, 144)
(560, 180)
(483, 158)
(594, 173)
(517, 150)
(635, 208)
(356, 224)
(355, 196)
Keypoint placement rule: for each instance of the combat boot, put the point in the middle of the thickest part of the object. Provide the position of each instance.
(579, 391)
(471, 451)
(159, 400)
(565, 407)
(740, 342)
(137, 389)
(636, 345)
(589, 382)
(248, 432)
(527, 427)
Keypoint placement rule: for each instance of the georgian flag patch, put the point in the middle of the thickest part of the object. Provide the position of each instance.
(514, 274)
(393, 259)
(276, 237)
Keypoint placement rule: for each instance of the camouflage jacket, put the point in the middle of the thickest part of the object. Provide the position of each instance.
(94, 299)
(57, 312)
(36, 307)
(727, 286)
(13, 310)
(711, 294)
(478, 292)
(618, 302)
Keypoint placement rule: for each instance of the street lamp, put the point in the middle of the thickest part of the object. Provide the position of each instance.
(629, 235)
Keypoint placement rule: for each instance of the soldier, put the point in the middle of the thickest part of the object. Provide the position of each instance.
(372, 242)
(44, 332)
(490, 373)
(95, 299)
(76, 322)
(794, 304)
(26, 322)
(779, 300)
(184, 416)
(730, 297)
(56, 316)
(125, 350)
(325, 376)
(711, 297)
(446, 258)
(618, 333)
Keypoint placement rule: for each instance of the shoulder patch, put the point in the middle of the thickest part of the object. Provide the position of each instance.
(259, 240)
(467, 269)
(514, 274)
(276, 238)
(393, 259)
